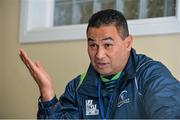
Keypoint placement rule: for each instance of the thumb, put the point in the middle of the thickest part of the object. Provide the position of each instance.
(38, 64)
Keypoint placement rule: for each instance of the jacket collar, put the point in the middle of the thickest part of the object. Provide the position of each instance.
(130, 68)
(89, 86)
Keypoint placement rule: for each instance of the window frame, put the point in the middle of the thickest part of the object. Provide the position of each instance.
(44, 31)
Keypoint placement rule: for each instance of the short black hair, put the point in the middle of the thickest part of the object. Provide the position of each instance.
(110, 17)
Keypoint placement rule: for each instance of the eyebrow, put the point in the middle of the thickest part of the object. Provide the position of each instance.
(90, 39)
(108, 38)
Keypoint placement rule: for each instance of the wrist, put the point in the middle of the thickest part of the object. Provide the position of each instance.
(47, 104)
(47, 94)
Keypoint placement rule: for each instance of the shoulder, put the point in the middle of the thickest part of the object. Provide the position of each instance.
(152, 69)
(153, 75)
(70, 90)
(159, 88)
(72, 84)
(146, 67)
(156, 77)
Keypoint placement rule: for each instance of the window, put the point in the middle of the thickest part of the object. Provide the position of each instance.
(49, 20)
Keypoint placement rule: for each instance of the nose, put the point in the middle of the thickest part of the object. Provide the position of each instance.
(100, 54)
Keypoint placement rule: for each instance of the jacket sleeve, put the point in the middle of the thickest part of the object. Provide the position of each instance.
(161, 93)
(64, 108)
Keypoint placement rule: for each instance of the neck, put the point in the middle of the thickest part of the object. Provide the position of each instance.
(110, 77)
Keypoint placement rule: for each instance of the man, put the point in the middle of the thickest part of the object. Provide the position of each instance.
(118, 84)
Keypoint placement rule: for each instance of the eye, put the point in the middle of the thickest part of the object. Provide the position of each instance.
(93, 46)
(108, 46)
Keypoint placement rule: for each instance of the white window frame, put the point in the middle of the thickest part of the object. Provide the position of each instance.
(33, 30)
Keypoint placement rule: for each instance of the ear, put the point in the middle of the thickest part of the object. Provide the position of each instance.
(128, 42)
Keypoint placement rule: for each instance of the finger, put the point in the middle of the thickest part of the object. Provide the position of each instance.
(22, 56)
(41, 68)
(39, 65)
(27, 60)
(33, 74)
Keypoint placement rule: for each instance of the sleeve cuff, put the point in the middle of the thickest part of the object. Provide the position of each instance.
(47, 104)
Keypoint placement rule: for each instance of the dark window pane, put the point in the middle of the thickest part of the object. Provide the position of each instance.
(68, 12)
(86, 9)
(131, 9)
(161, 8)
(63, 12)
(108, 4)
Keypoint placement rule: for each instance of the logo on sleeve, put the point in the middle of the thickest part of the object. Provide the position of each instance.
(91, 109)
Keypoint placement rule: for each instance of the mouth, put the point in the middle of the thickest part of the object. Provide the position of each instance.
(101, 65)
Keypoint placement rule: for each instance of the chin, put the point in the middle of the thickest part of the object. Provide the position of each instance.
(105, 71)
(102, 72)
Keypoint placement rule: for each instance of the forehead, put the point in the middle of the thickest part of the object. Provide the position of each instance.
(102, 31)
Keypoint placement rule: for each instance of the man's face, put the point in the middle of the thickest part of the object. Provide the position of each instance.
(107, 51)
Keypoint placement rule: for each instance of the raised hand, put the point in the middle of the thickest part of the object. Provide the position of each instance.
(42, 78)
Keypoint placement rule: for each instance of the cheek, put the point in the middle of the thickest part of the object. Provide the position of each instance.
(116, 59)
(91, 54)
(117, 56)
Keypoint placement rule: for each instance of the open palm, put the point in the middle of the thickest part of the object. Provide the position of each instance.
(42, 78)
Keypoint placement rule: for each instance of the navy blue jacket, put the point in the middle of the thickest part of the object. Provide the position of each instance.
(146, 89)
